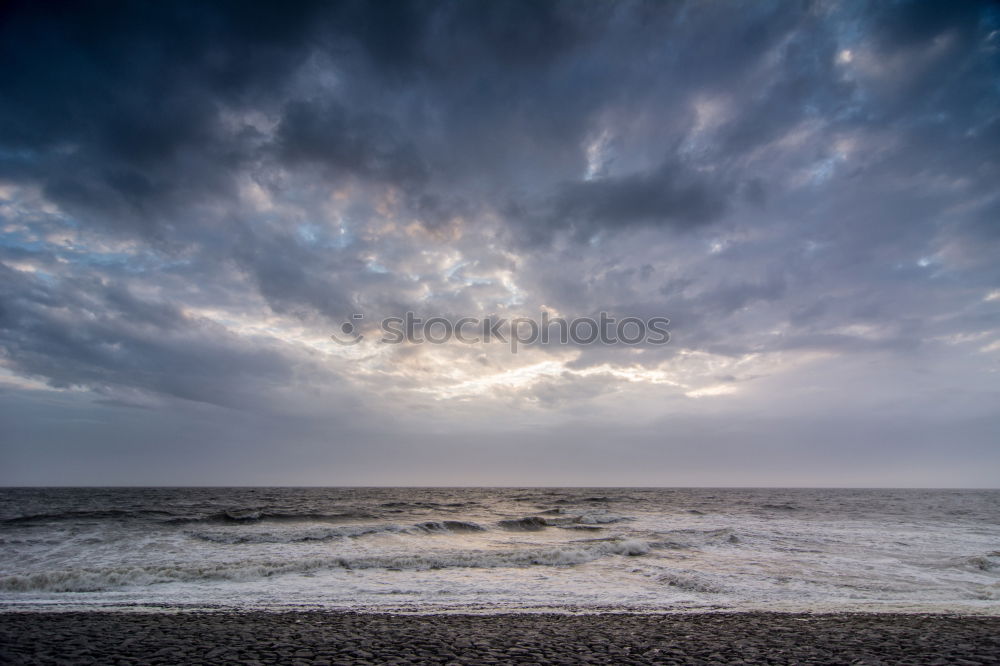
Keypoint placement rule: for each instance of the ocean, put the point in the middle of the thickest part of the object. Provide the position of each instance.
(500, 549)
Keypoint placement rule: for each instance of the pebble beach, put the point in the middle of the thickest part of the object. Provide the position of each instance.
(308, 637)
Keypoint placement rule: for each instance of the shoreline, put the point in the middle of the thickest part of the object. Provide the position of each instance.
(486, 610)
(330, 637)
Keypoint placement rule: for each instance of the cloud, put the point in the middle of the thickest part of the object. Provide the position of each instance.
(365, 146)
(105, 339)
(670, 196)
(192, 197)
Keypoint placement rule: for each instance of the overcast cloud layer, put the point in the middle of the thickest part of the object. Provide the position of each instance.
(193, 196)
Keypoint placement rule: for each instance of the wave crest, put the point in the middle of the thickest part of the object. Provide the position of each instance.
(95, 580)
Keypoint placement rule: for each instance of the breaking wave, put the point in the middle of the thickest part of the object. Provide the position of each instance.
(343, 532)
(692, 539)
(690, 581)
(988, 562)
(246, 517)
(529, 524)
(779, 507)
(170, 518)
(95, 580)
(110, 514)
(535, 523)
(450, 526)
(589, 500)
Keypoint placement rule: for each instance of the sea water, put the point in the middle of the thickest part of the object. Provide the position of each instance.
(490, 549)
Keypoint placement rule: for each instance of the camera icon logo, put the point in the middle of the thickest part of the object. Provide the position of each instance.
(350, 334)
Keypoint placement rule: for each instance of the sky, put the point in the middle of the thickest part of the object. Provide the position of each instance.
(194, 196)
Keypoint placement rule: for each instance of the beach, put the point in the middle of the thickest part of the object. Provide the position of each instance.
(318, 637)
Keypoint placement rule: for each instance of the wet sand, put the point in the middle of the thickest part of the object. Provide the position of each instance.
(313, 637)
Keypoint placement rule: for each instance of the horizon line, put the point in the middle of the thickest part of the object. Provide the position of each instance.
(504, 487)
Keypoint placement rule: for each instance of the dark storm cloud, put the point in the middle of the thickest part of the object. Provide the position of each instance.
(366, 146)
(912, 24)
(671, 196)
(291, 275)
(114, 107)
(106, 339)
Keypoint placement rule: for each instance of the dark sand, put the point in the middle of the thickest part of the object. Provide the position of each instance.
(308, 637)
